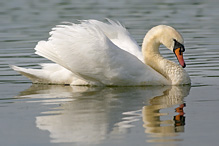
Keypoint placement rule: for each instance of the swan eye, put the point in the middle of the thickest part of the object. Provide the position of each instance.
(178, 45)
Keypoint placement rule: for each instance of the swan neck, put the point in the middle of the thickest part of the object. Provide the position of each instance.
(150, 48)
(168, 69)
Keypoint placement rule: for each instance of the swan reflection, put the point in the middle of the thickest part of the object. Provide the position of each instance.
(165, 125)
(89, 115)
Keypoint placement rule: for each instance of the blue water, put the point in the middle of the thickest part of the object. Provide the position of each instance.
(64, 115)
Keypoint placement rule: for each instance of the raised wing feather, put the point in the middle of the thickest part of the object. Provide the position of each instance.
(119, 36)
(88, 52)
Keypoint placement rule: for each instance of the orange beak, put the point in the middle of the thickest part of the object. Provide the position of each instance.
(179, 55)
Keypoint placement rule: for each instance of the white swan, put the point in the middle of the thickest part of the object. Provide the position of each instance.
(97, 53)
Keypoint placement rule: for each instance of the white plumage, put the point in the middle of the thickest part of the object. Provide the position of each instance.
(93, 53)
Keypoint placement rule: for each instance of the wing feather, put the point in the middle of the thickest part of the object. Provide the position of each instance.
(91, 53)
(119, 35)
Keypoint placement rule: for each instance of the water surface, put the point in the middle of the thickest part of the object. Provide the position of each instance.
(64, 115)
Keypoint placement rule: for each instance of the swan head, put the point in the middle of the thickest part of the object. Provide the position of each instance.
(173, 40)
(170, 38)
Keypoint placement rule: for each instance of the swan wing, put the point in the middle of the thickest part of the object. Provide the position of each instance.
(119, 35)
(87, 52)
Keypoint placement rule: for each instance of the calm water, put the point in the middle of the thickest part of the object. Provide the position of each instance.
(63, 115)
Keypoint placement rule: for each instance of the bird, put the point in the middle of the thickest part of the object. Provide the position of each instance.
(96, 53)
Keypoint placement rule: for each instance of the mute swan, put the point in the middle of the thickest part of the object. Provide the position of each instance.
(97, 53)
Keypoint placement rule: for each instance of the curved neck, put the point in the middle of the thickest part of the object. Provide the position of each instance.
(152, 57)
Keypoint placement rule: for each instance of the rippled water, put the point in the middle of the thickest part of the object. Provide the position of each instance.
(63, 115)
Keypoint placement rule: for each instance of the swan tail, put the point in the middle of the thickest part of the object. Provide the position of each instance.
(49, 74)
(35, 75)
